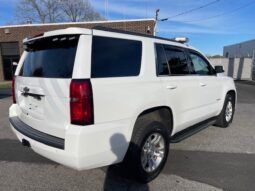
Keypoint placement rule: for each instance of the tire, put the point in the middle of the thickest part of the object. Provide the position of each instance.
(225, 118)
(145, 132)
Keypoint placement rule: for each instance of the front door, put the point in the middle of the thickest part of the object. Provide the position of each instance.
(210, 85)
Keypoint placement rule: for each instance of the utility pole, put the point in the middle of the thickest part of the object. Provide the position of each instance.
(156, 21)
(157, 13)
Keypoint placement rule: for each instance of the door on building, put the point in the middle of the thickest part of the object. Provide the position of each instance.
(10, 54)
(9, 68)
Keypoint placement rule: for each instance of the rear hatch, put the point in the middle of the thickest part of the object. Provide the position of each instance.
(42, 86)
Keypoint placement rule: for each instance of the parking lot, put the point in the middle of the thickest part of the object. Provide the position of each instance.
(214, 159)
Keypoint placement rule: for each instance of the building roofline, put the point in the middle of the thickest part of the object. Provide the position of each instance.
(75, 23)
(240, 43)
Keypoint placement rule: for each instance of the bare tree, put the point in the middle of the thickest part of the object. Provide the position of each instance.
(51, 11)
(37, 11)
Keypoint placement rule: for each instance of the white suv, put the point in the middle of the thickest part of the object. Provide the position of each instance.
(87, 98)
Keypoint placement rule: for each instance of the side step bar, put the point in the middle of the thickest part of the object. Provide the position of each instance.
(178, 137)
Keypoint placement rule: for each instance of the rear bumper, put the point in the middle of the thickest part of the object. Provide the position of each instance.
(37, 135)
(85, 147)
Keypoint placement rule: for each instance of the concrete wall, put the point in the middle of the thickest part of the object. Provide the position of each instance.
(253, 70)
(238, 68)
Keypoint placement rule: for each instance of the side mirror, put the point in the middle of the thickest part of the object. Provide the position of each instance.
(219, 69)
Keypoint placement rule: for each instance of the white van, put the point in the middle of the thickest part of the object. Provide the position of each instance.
(87, 98)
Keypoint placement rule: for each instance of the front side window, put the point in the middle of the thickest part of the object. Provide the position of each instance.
(177, 61)
(113, 57)
(200, 65)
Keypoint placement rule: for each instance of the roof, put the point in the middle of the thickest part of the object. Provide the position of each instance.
(175, 42)
(108, 29)
(75, 23)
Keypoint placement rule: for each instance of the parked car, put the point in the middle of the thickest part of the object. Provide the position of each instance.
(87, 98)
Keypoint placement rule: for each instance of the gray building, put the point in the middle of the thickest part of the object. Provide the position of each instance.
(240, 50)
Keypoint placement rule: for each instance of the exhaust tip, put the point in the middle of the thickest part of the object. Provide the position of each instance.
(25, 143)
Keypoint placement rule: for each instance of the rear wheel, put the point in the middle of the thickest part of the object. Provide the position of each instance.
(227, 113)
(148, 150)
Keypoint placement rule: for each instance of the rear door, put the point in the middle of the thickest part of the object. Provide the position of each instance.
(42, 85)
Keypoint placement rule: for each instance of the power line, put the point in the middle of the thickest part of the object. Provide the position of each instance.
(191, 10)
(222, 14)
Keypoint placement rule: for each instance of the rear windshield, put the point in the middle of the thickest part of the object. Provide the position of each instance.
(51, 57)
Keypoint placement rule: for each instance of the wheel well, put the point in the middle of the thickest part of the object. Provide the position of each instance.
(163, 114)
(233, 94)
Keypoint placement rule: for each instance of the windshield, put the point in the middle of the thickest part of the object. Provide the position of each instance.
(50, 57)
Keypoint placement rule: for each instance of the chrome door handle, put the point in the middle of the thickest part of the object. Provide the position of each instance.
(203, 85)
(171, 87)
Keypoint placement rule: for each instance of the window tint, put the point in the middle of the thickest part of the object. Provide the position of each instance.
(177, 61)
(51, 57)
(200, 65)
(112, 57)
(162, 66)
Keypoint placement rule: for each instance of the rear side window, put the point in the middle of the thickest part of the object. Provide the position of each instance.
(177, 61)
(51, 57)
(162, 65)
(112, 57)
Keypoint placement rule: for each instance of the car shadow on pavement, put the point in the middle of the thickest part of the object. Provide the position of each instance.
(13, 151)
(117, 176)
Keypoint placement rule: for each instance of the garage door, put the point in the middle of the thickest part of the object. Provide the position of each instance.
(10, 54)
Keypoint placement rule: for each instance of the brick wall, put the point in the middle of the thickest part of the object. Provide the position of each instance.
(17, 34)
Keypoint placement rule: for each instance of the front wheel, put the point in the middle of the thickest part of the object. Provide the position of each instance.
(227, 113)
(148, 151)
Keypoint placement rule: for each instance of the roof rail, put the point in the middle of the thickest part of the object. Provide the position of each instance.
(108, 29)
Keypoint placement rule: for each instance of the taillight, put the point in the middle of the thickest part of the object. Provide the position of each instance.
(13, 90)
(81, 102)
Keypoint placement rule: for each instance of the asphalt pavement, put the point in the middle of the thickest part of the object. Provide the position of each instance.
(214, 159)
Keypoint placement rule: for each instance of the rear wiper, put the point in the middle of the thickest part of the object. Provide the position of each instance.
(36, 96)
(26, 93)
